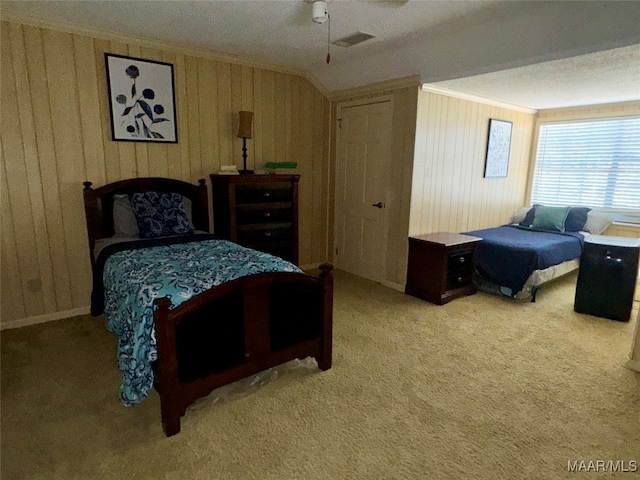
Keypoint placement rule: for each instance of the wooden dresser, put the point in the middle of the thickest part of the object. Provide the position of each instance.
(258, 211)
(441, 266)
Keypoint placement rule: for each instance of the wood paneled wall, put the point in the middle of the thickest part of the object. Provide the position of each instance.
(582, 113)
(56, 134)
(449, 191)
(617, 230)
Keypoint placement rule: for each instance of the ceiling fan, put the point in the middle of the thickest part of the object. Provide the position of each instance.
(320, 15)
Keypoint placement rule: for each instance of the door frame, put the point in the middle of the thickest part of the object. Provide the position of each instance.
(388, 98)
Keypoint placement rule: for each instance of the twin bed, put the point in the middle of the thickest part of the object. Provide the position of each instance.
(193, 312)
(539, 245)
(515, 262)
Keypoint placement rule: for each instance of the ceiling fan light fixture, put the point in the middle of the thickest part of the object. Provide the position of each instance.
(319, 11)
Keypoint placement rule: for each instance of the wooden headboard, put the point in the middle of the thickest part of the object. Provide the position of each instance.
(98, 203)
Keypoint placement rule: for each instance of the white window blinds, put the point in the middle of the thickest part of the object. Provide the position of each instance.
(592, 163)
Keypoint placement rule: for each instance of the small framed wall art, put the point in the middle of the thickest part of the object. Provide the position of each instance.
(498, 147)
(141, 100)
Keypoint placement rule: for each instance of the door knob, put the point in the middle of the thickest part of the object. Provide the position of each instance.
(379, 205)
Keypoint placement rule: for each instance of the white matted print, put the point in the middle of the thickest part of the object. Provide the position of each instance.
(141, 100)
(498, 147)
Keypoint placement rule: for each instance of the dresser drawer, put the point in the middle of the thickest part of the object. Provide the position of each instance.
(460, 262)
(263, 193)
(264, 213)
(264, 233)
(458, 280)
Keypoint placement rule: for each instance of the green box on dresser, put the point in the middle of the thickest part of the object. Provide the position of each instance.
(258, 211)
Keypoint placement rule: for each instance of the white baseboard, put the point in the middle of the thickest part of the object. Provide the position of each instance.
(633, 365)
(49, 317)
(395, 286)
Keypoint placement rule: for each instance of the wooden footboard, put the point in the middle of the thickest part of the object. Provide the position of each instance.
(238, 329)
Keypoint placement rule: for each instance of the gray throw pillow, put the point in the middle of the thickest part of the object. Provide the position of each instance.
(124, 220)
(597, 222)
(188, 207)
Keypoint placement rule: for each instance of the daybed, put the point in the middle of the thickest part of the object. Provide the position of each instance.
(192, 312)
(515, 260)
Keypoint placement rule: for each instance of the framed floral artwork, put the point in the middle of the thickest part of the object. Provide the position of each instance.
(498, 147)
(141, 100)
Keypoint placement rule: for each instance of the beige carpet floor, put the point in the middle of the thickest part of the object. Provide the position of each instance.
(482, 388)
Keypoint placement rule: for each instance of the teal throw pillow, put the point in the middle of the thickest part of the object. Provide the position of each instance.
(550, 218)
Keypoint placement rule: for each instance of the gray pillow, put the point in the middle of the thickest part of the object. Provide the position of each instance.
(188, 208)
(124, 220)
(597, 222)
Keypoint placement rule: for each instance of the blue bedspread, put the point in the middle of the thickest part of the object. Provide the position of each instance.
(509, 254)
(133, 279)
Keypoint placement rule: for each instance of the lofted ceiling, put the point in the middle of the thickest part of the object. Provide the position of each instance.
(537, 54)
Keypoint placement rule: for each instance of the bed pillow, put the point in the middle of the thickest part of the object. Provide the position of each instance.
(597, 222)
(549, 218)
(188, 207)
(576, 219)
(160, 214)
(124, 220)
(528, 218)
(520, 215)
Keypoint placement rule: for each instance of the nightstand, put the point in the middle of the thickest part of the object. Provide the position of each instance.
(607, 277)
(441, 266)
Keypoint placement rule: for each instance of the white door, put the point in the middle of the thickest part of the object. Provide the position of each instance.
(362, 176)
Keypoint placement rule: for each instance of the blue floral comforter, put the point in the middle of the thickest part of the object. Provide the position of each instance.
(133, 279)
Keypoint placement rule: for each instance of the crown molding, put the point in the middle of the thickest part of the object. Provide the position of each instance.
(631, 107)
(375, 88)
(146, 42)
(474, 98)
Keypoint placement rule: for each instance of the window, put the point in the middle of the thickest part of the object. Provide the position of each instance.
(591, 163)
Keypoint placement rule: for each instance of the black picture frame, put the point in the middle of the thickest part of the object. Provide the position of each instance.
(498, 148)
(142, 101)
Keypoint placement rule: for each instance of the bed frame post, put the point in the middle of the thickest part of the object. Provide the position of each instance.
(92, 214)
(202, 220)
(166, 380)
(326, 344)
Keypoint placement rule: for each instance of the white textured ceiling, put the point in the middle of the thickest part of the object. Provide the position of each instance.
(603, 77)
(440, 41)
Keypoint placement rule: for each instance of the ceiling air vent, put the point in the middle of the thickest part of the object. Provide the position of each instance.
(351, 40)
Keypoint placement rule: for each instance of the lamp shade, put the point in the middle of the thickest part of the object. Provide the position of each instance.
(244, 125)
